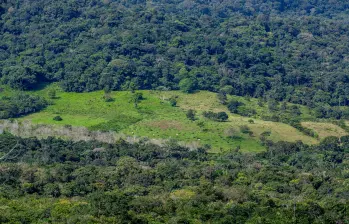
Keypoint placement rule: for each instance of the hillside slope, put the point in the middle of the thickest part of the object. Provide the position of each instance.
(286, 50)
(155, 118)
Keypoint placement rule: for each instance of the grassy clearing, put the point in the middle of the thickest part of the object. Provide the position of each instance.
(346, 123)
(325, 129)
(155, 118)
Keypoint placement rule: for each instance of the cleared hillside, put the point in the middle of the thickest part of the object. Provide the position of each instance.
(155, 118)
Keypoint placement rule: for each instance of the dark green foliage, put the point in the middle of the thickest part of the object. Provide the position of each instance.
(295, 111)
(220, 116)
(266, 133)
(325, 111)
(137, 98)
(108, 98)
(201, 124)
(20, 104)
(234, 105)
(58, 118)
(96, 182)
(295, 51)
(191, 114)
(20, 77)
(245, 130)
(110, 204)
(283, 106)
(173, 101)
(260, 102)
(272, 105)
(263, 136)
(237, 107)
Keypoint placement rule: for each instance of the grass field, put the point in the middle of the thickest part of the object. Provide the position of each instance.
(155, 118)
(325, 129)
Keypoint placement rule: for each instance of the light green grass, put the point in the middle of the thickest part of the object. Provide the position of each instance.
(156, 118)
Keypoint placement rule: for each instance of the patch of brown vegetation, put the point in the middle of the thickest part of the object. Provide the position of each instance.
(166, 124)
(325, 129)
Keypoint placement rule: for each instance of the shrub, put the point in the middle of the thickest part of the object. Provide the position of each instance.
(136, 98)
(57, 118)
(220, 116)
(266, 133)
(191, 114)
(245, 129)
(173, 101)
(201, 124)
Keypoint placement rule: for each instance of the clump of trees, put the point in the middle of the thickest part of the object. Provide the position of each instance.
(220, 116)
(233, 106)
(20, 104)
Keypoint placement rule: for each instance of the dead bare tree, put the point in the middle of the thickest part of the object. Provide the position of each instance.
(3, 158)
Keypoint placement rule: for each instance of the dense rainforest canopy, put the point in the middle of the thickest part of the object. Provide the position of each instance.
(286, 50)
(56, 181)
